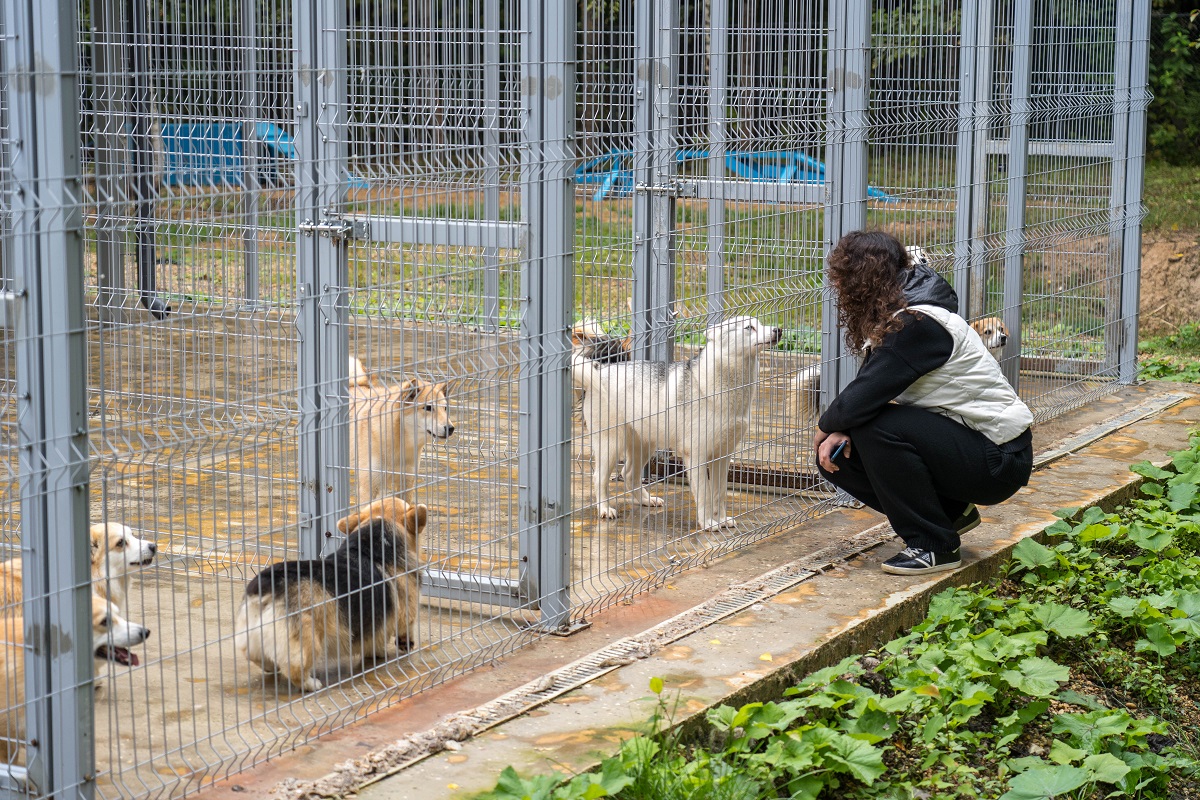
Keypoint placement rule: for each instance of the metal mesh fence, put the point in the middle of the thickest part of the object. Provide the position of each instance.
(276, 260)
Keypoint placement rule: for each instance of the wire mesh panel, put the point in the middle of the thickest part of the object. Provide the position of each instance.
(414, 330)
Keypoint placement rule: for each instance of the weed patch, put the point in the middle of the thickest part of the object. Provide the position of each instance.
(1076, 675)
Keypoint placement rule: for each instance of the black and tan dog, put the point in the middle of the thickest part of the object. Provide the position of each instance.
(354, 601)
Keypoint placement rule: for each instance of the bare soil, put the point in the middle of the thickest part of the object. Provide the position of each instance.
(1170, 281)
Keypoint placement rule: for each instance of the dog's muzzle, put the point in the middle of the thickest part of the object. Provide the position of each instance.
(776, 335)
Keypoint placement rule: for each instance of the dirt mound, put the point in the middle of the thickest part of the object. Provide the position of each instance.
(1170, 282)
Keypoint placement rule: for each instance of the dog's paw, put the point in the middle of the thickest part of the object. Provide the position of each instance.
(404, 644)
(607, 512)
(728, 522)
(311, 684)
(652, 501)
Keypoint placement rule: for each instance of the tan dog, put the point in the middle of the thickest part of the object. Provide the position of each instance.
(354, 601)
(115, 554)
(391, 426)
(111, 633)
(993, 333)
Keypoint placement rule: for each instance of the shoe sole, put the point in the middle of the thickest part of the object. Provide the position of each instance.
(970, 526)
(920, 570)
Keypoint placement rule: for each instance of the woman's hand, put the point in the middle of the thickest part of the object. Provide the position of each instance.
(825, 444)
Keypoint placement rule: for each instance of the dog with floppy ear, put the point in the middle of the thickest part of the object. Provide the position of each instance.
(392, 425)
(357, 600)
(993, 333)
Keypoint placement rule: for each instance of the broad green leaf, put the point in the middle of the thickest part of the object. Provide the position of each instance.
(1093, 727)
(1032, 553)
(806, 787)
(1097, 532)
(1106, 767)
(1061, 753)
(1186, 616)
(1158, 639)
(512, 786)
(1042, 783)
(859, 758)
(933, 726)
(1152, 489)
(1036, 677)
(1147, 538)
(1124, 606)
(722, 717)
(1085, 700)
(872, 726)
(1146, 469)
(1067, 513)
(1063, 620)
(1181, 495)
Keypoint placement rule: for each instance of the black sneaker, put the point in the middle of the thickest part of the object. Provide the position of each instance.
(915, 561)
(968, 520)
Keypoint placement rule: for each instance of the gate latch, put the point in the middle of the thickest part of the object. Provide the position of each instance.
(336, 228)
(673, 189)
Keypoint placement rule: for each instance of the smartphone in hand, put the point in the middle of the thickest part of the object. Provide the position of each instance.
(837, 451)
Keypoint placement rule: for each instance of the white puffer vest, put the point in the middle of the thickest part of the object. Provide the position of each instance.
(969, 388)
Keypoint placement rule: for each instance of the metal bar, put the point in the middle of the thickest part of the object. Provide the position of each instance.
(1114, 330)
(443, 232)
(965, 176)
(654, 164)
(980, 211)
(483, 589)
(141, 159)
(1049, 147)
(789, 193)
(845, 168)
(111, 187)
(1014, 239)
(558, 301)
(718, 82)
(1135, 155)
(321, 261)
(491, 160)
(250, 177)
(529, 386)
(51, 394)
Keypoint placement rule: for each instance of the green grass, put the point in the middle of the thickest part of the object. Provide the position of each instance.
(1172, 197)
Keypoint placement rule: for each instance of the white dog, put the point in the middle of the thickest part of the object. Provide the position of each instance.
(698, 408)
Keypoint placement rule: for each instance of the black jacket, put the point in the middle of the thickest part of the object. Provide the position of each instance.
(890, 367)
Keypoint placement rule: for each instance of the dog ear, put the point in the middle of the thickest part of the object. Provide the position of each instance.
(443, 387)
(411, 390)
(414, 519)
(347, 524)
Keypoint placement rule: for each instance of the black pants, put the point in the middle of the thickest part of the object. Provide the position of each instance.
(922, 469)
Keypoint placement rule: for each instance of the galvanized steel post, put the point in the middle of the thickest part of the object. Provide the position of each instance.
(1018, 152)
(52, 420)
(845, 168)
(319, 28)
(547, 281)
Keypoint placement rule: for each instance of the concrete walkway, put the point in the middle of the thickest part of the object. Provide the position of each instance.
(743, 629)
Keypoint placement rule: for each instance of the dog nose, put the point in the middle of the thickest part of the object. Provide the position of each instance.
(1003, 338)
(449, 430)
(153, 548)
(776, 335)
(145, 634)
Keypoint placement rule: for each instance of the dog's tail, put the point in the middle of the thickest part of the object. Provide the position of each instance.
(807, 387)
(358, 373)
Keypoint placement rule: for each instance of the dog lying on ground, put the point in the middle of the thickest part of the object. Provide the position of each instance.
(354, 601)
(112, 634)
(698, 408)
(391, 426)
(115, 554)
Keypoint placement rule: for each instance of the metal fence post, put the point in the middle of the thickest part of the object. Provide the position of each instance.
(979, 213)
(845, 168)
(108, 24)
(656, 31)
(1018, 152)
(250, 177)
(52, 421)
(548, 206)
(321, 266)
(491, 158)
(1130, 98)
(717, 137)
(966, 176)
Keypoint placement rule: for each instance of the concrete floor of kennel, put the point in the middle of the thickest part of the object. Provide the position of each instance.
(191, 713)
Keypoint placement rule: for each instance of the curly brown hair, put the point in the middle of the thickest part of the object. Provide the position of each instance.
(866, 270)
